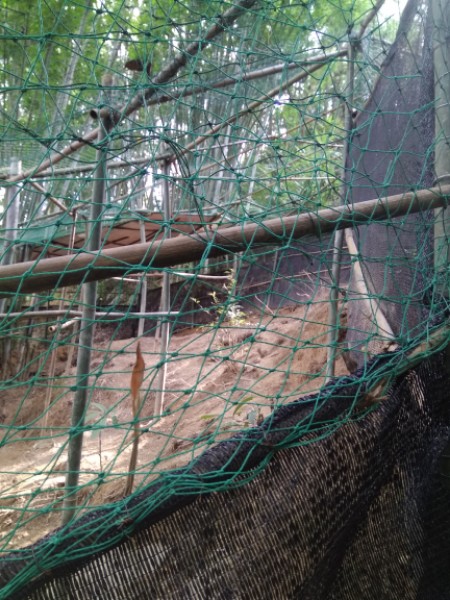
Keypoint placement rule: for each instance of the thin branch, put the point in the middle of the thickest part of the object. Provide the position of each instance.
(371, 15)
(257, 74)
(55, 201)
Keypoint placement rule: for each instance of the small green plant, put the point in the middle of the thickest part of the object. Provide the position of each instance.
(97, 415)
(229, 311)
(253, 417)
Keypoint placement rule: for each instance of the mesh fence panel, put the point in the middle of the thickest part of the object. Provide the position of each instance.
(174, 181)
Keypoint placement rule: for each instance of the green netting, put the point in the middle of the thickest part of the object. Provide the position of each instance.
(252, 193)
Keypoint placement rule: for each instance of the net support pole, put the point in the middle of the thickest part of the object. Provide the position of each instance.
(11, 226)
(333, 331)
(143, 286)
(11, 216)
(11, 221)
(441, 57)
(163, 329)
(89, 302)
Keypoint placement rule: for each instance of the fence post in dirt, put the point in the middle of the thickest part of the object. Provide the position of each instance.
(10, 225)
(333, 331)
(89, 302)
(163, 328)
(11, 216)
(143, 286)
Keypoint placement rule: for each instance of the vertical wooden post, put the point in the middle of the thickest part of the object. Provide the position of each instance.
(11, 224)
(11, 215)
(163, 328)
(339, 235)
(89, 301)
(143, 287)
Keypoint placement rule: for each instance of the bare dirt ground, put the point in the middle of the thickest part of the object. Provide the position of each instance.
(219, 380)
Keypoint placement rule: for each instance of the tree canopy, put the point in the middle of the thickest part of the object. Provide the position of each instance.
(252, 121)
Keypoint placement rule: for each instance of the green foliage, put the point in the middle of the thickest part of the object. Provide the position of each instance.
(56, 54)
(224, 304)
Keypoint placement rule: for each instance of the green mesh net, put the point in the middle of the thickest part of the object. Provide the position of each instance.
(210, 210)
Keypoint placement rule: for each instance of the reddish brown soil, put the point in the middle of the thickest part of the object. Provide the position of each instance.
(218, 379)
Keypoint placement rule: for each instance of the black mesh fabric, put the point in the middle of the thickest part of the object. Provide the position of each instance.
(359, 511)
(322, 502)
(390, 153)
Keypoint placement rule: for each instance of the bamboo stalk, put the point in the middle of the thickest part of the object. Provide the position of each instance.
(89, 294)
(333, 315)
(72, 347)
(141, 98)
(163, 326)
(143, 286)
(62, 326)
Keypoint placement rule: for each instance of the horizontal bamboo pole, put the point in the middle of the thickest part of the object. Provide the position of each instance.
(77, 314)
(73, 269)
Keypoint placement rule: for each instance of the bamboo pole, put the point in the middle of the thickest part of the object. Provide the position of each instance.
(50, 382)
(334, 324)
(63, 325)
(55, 342)
(143, 286)
(89, 297)
(44, 274)
(77, 314)
(8, 254)
(11, 216)
(163, 328)
(72, 347)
